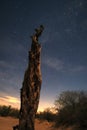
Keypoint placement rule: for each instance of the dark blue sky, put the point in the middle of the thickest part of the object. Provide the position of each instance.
(64, 46)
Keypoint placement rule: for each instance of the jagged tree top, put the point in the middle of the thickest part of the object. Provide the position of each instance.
(38, 32)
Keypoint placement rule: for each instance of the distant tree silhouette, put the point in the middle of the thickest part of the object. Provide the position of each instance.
(9, 111)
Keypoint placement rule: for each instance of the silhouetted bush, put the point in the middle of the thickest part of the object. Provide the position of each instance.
(71, 109)
(9, 111)
(4, 110)
(46, 115)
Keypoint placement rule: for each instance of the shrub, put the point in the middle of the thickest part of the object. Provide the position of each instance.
(9, 111)
(46, 115)
(71, 109)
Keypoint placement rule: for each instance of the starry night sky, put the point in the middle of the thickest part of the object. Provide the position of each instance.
(64, 46)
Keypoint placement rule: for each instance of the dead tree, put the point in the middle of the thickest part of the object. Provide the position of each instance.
(30, 91)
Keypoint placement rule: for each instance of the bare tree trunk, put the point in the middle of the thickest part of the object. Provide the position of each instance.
(30, 91)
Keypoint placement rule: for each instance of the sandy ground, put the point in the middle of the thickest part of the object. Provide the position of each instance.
(7, 123)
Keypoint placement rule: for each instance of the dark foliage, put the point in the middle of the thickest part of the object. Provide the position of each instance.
(72, 109)
(9, 111)
(46, 115)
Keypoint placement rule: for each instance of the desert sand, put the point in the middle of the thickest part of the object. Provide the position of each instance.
(6, 123)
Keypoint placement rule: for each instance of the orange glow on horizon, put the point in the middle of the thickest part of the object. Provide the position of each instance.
(12, 99)
(44, 105)
(9, 100)
(15, 103)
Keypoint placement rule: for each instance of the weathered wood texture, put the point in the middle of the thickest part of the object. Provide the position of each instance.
(30, 91)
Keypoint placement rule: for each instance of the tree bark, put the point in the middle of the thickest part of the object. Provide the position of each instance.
(30, 91)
